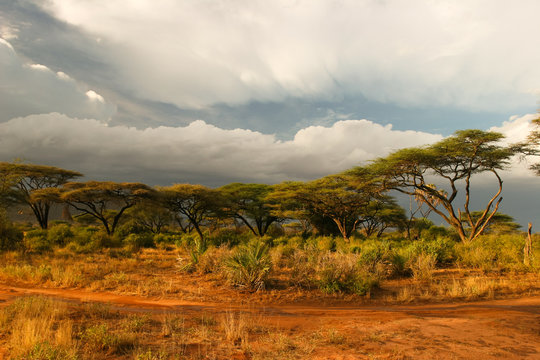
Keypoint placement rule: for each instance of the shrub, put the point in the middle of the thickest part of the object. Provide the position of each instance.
(196, 247)
(36, 241)
(322, 243)
(100, 239)
(497, 251)
(373, 252)
(83, 235)
(59, 234)
(213, 259)
(292, 241)
(10, 236)
(229, 237)
(442, 249)
(249, 266)
(166, 239)
(100, 338)
(338, 272)
(138, 241)
(422, 266)
(303, 269)
(471, 255)
(399, 261)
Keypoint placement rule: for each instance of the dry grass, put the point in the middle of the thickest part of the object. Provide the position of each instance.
(469, 287)
(37, 326)
(301, 275)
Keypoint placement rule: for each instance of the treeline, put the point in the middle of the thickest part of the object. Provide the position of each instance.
(340, 233)
(355, 201)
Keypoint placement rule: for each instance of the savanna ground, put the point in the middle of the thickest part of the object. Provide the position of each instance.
(119, 304)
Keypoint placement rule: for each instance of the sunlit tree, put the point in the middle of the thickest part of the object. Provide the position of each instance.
(454, 161)
(34, 185)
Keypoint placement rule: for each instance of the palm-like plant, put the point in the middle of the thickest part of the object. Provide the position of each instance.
(249, 266)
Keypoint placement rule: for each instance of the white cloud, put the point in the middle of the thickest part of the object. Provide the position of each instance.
(34, 88)
(516, 129)
(198, 152)
(479, 54)
(94, 96)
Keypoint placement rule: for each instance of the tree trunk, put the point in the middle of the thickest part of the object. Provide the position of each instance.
(527, 250)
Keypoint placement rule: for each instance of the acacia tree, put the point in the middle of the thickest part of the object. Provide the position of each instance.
(105, 201)
(150, 216)
(249, 203)
(34, 185)
(380, 214)
(343, 198)
(195, 203)
(454, 160)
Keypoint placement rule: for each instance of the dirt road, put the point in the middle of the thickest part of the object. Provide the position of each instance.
(498, 329)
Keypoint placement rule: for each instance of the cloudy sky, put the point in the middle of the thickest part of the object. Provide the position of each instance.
(261, 91)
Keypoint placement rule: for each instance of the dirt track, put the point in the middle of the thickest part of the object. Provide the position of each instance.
(499, 329)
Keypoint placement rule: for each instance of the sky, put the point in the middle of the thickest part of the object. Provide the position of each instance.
(214, 92)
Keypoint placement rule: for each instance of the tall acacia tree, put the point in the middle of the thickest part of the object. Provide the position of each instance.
(251, 204)
(34, 185)
(195, 203)
(106, 201)
(453, 160)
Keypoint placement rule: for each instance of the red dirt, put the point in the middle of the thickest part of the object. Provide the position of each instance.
(497, 329)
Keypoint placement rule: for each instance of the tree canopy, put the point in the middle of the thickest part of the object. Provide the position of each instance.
(343, 198)
(32, 184)
(104, 200)
(453, 161)
(251, 204)
(194, 203)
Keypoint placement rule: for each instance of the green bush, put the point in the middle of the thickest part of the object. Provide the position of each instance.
(442, 249)
(100, 240)
(494, 251)
(186, 240)
(36, 241)
(59, 234)
(10, 235)
(399, 262)
(249, 265)
(373, 252)
(82, 235)
(138, 241)
(166, 239)
(196, 247)
(338, 272)
(325, 243)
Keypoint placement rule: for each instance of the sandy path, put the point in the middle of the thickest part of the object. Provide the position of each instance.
(497, 329)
